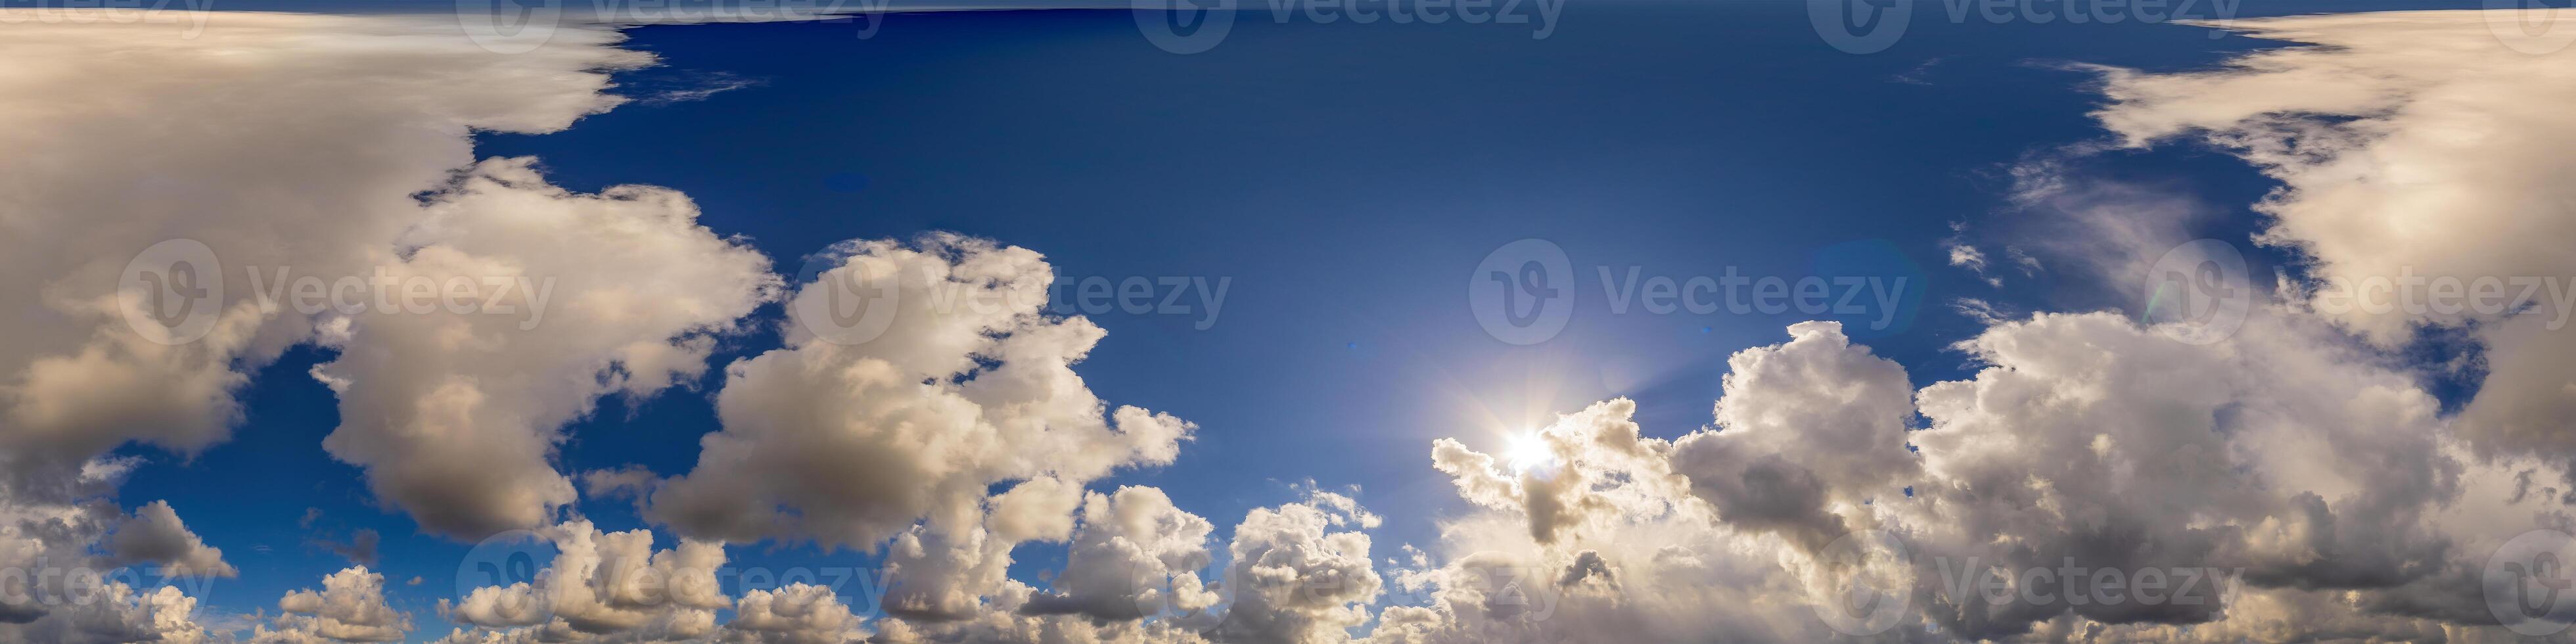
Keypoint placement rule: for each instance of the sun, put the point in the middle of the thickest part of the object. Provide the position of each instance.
(1528, 450)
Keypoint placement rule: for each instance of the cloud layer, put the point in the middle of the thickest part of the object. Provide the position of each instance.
(2297, 470)
(2411, 146)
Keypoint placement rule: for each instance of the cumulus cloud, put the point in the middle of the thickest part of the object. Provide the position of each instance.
(603, 587)
(1652, 563)
(1803, 427)
(218, 164)
(2411, 147)
(1139, 570)
(1615, 536)
(155, 535)
(794, 614)
(323, 147)
(2308, 485)
(75, 565)
(350, 607)
(116, 613)
(1132, 574)
(454, 414)
(1301, 572)
(360, 548)
(1136, 555)
(2276, 456)
(849, 441)
(2314, 477)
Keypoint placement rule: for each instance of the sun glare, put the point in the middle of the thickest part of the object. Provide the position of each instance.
(1527, 451)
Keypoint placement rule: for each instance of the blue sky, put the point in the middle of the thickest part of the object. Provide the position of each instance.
(1346, 177)
(1344, 181)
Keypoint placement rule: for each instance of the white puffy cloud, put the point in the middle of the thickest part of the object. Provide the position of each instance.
(1803, 427)
(70, 569)
(602, 587)
(1564, 491)
(1615, 536)
(1132, 574)
(350, 608)
(115, 613)
(1660, 567)
(155, 535)
(2275, 456)
(2316, 472)
(1039, 509)
(936, 574)
(794, 614)
(301, 153)
(1136, 556)
(2411, 146)
(300, 146)
(1300, 573)
(2313, 487)
(323, 147)
(454, 414)
(1005, 624)
(969, 384)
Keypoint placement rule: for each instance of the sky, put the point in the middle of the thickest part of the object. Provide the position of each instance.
(1030, 322)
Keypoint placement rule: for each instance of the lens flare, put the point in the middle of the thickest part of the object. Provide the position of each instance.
(1529, 451)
